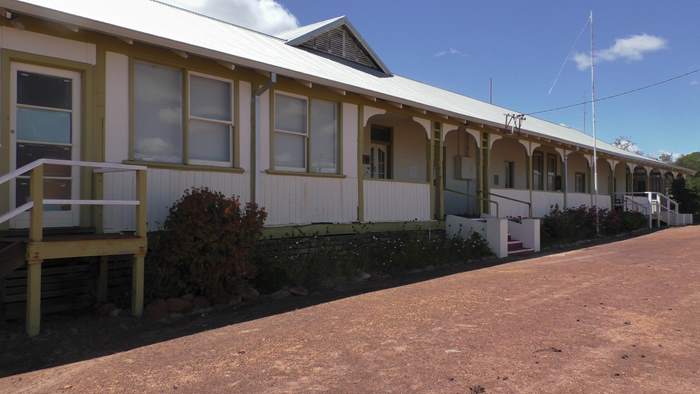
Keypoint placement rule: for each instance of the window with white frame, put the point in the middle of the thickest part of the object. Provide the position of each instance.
(210, 129)
(157, 114)
(302, 144)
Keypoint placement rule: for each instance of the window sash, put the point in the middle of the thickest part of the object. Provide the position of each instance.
(318, 136)
(307, 134)
(166, 144)
(228, 122)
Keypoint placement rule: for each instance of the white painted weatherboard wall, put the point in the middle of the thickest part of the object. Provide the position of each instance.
(304, 200)
(574, 200)
(544, 202)
(391, 201)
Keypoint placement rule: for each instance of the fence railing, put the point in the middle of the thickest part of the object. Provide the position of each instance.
(36, 192)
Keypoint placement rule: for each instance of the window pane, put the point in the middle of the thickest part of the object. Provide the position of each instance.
(210, 98)
(43, 125)
(27, 153)
(157, 113)
(209, 141)
(290, 151)
(324, 136)
(44, 90)
(290, 113)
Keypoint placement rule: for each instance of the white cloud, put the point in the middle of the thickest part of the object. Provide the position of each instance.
(451, 52)
(632, 48)
(267, 16)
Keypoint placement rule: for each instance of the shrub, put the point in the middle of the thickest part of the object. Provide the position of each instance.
(205, 244)
(574, 224)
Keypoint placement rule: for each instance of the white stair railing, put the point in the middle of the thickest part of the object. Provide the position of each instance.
(36, 188)
(654, 205)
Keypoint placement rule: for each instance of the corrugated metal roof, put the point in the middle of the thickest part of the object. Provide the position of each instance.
(166, 25)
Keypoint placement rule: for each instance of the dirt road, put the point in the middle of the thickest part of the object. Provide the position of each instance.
(622, 317)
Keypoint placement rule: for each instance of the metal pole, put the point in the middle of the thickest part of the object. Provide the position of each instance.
(595, 140)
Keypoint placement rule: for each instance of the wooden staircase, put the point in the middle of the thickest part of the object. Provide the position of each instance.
(31, 248)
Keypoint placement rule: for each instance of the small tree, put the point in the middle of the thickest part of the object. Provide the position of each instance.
(625, 143)
(206, 243)
(688, 199)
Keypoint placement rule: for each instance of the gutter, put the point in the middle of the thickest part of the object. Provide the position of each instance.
(255, 151)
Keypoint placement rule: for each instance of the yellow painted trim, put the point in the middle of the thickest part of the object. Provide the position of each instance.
(103, 279)
(36, 190)
(137, 284)
(304, 174)
(184, 167)
(45, 250)
(348, 228)
(186, 116)
(33, 315)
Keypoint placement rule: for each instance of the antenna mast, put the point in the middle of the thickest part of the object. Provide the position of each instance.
(595, 140)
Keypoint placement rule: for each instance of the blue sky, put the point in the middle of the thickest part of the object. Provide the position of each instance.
(459, 45)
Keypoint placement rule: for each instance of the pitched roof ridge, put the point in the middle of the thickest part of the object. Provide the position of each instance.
(301, 30)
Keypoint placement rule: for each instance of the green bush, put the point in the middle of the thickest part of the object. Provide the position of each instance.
(205, 245)
(575, 224)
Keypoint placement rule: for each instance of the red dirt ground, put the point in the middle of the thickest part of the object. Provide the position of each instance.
(615, 318)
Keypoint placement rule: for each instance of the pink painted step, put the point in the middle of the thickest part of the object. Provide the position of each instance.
(516, 247)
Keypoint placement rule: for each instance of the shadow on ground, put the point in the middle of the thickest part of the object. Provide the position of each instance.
(69, 338)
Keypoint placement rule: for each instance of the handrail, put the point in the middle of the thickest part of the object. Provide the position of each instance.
(93, 164)
(36, 189)
(529, 204)
(477, 197)
(20, 209)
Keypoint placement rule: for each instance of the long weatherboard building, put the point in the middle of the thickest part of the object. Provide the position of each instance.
(114, 108)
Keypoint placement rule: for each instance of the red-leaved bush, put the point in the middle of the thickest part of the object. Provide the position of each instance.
(205, 244)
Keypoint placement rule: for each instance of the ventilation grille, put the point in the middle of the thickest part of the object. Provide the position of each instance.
(340, 42)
